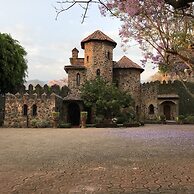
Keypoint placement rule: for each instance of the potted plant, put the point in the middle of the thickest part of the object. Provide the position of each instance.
(83, 119)
(162, 119)
(55, 119)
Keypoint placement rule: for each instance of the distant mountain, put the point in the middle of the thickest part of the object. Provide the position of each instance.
(60, 82)
(35, 82)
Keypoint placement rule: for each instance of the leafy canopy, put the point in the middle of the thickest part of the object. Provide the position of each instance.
(13, 64)
(163, 33)
(107, 98)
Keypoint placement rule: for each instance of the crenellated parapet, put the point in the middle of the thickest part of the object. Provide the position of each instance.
(33, 103)
(46, 90)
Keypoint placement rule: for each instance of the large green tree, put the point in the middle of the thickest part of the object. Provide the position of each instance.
(107, 99)
(13, 64)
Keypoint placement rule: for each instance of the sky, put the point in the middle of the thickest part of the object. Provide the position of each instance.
(49, 42)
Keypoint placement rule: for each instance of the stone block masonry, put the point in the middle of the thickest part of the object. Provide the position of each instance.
(21, 110)
(2, 107)
(39, 103)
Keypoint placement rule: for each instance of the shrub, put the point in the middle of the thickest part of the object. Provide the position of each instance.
(180, 119)
(162, 118)
(40, 123)
(189, 119)
(90, 125)
(121, 120)
(135, 124)
(127, 116)
(55, 115)
(65, 125)
(106, 125)
(34, 122)
(99, 119)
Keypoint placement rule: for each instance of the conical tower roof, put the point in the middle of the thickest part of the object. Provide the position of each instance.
(98, 36)
(126, 63)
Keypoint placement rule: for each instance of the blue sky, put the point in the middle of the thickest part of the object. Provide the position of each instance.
(49, 42)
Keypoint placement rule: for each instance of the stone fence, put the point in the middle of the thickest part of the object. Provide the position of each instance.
(39, 90)
(2, 109)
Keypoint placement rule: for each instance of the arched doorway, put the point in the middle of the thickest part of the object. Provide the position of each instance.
(169, 110)
(74, 114)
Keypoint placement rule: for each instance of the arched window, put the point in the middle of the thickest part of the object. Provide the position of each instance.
(34, 110)
(25, 110)
(78, 79)
(151, 109)
(87, 58)
(98, 72)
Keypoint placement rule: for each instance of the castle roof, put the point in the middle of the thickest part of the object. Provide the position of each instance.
(126, 63)
(74, 67)
(75, 49)
(98, 36)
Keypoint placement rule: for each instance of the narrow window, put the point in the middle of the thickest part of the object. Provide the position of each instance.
(78, 79)
(87, 59)
(98, 72)
(25, 110)
(108, 55)
(34, 110)
(151, 109)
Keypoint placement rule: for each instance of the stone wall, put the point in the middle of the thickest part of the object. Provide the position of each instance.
(129, 80)
(14, 109)
(45, 99)
(173, 93)
(186, 101)
(149, 97)
(74, 87)
(99, 57)
(2, 106)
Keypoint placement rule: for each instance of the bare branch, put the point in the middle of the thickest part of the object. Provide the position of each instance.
(72, 3)
(63, 9)
(83, 4)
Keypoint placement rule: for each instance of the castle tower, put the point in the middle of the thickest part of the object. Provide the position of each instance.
(98, 55)
(127, 77)
(76, 74)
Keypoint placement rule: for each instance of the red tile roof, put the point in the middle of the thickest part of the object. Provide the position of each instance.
(126, 63)
(98, 36)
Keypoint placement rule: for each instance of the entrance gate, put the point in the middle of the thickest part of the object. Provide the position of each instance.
(74, 114)
(167, 111)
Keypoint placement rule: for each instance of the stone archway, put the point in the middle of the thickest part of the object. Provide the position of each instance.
(73, 114)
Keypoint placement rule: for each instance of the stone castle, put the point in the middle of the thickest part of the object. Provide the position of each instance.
(151, 100)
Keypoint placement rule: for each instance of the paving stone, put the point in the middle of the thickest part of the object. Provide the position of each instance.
(51, 161)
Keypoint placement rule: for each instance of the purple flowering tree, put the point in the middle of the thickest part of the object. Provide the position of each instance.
(161, 31)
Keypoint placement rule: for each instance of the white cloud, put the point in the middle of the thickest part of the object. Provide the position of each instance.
(49, 42)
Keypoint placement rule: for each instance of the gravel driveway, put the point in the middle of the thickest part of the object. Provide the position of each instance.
(150, 159)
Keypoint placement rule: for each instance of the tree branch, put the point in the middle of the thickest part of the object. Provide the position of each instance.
(83, 4)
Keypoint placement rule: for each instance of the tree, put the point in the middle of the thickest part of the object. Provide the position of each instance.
(179, 4)
(107, 99)
(13, 64)
(160, 31)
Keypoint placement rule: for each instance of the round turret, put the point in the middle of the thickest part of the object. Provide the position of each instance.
(98, 55)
